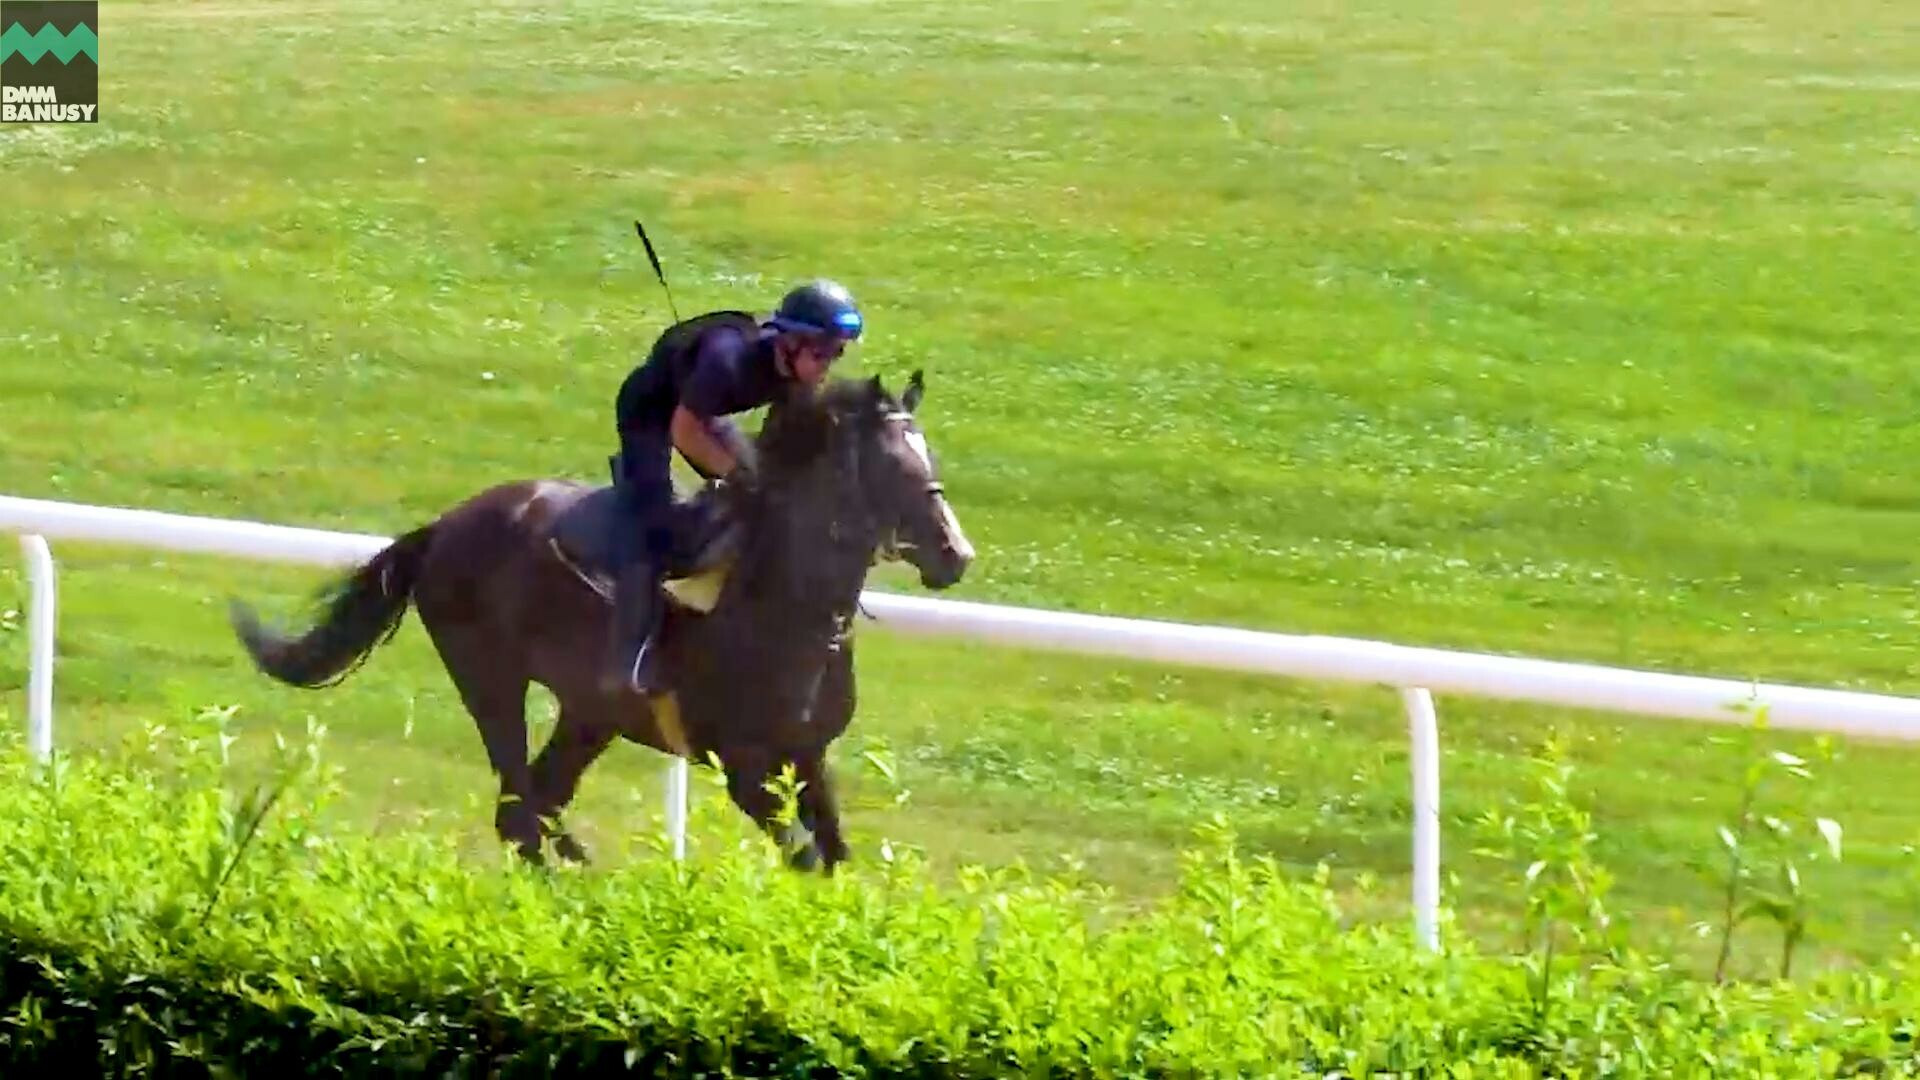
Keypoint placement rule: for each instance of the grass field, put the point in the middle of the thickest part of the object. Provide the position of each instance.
(1580, 334)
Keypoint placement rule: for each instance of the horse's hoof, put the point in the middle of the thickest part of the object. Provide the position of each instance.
(806, 858)
(570, 849)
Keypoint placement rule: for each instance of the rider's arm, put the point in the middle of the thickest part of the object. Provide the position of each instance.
(695, 437)
(710, 441)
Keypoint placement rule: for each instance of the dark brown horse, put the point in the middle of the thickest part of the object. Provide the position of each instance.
(513, 589)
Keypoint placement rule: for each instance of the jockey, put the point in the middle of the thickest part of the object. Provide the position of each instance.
(700, 371)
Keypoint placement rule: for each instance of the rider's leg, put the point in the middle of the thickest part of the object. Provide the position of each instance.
(640, 545)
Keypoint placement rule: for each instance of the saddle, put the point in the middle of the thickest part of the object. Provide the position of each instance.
(705, 540)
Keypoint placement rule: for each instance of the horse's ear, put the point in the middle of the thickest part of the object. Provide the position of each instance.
(878, 400)
(916, 389)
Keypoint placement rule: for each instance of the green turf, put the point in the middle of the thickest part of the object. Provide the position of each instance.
(1581, 334)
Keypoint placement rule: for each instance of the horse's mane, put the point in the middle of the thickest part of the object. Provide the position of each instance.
(800, 427)
(793, 443)
(843, 395)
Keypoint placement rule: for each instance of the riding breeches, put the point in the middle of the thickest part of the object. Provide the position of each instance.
(643, 485)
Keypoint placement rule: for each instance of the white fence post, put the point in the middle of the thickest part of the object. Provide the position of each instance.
(40, 624)
(1423, 729)
(677, 805)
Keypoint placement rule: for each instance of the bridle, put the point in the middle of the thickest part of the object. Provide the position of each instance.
(891, 546)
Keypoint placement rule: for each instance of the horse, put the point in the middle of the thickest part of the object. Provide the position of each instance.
(514, 587)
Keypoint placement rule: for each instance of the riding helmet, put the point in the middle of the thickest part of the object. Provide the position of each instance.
(819, 307)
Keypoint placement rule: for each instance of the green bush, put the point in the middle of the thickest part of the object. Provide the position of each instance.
(156, 922)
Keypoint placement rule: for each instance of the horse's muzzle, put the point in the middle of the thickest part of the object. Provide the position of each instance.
(946, 571)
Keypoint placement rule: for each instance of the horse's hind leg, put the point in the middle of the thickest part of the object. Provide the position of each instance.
(579, 738)
(495, 693)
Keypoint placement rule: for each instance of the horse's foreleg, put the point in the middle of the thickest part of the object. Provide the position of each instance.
(818, 810)
(830, 713)
(748, 770)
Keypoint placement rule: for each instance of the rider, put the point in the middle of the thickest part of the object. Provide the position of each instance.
(700, 371)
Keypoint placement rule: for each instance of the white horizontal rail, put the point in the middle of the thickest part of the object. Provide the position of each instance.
(183, 532)
(1412, 670)
(1546, 682)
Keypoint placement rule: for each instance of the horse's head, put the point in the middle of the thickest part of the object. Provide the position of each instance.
(903, 482)
(889, 492)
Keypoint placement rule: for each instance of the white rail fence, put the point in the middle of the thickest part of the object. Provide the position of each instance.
(1415, 672)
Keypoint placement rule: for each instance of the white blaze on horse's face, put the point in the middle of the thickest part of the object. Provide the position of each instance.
(917, 442)
(961, 547)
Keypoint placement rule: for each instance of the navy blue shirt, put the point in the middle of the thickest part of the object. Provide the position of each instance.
(714, 364)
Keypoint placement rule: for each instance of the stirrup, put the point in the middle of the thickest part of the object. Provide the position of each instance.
(625, 675)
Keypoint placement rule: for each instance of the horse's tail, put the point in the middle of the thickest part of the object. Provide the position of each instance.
(364, 609)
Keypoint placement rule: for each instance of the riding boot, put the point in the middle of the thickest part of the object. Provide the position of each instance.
(636, 622)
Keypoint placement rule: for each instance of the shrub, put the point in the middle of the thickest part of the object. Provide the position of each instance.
(153, 921)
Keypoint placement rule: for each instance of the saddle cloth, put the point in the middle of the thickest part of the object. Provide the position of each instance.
(705, 541)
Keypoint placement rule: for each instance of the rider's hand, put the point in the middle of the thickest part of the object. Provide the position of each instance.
(743, 479)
